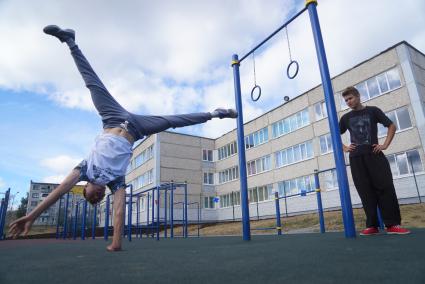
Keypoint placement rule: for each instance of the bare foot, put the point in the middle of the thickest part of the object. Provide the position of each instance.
(112, 248)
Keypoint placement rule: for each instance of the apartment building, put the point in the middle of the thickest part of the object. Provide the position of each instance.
(39, 191)
(288, 143)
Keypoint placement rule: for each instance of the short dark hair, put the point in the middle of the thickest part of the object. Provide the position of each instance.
(350, 91)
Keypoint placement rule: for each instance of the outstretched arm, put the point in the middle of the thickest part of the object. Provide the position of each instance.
(23, 225)
(119, 212)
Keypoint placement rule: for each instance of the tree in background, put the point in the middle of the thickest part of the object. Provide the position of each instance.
(22, 209)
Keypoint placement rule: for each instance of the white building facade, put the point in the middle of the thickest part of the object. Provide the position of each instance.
(287, 144)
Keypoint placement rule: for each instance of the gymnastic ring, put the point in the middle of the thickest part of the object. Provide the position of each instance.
(259, 93)
(296, 69)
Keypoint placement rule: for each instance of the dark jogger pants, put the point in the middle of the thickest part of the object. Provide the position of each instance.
(113, 114)
(374, 182)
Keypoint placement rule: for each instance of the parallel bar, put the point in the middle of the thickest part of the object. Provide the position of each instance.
(158, 220)
(58, 218)
(153, 211)
(137, 215)
(165, 213)
(74, 230)
(185, 210)
(65, 226)
(106, 228)
(172, 211)
(130, 213)
(380, 221)
(93, 225)
(278, 222)
(3, 214)
(344, 189)
(83, 221)
(272, 35)
(319, 202)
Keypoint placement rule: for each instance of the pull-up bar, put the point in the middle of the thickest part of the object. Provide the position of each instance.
(273, 34)
(347, 211)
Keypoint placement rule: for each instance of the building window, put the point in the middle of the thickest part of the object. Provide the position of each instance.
(230, 199)
(401, 163)
(35, 195)
(320, 110)
(143, 157)
(401, 119)
(376, 86)
(207, 155)
(142, 201)
(33, 203)
(296, 186)
(228, 174)
(227, 150)
(257, 138)
(260, 193)
(44, 195)
(326, 144)
(294, 154)
(143, 180)
(291, 123)
(328, 180)
(208, 178)
(209, 202)
(259, 165)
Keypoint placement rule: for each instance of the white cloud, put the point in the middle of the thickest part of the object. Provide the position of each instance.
(167, 57)
(60, 166)
(54, 179)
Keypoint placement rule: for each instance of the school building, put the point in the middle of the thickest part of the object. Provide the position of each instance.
(288, 143)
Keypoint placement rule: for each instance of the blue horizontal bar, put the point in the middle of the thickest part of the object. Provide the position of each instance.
(275, 32)
(271, 228)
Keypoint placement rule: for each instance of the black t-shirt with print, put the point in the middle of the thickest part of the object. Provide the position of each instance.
(363, 127)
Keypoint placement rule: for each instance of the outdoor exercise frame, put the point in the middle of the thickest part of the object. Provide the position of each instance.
(347, 211)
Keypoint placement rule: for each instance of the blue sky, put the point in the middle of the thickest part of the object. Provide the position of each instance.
(165, 57)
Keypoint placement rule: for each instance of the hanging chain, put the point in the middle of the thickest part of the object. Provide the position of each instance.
(255, 76)
(289, 46)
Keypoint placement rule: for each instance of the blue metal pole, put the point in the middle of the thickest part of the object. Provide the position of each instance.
(1, 218)
(130, 212)
(319, 202)
(106, 227)
(74, 230)
(185, 210)
(344, 190)
(165, 211)
(172, 210)
(58, 218)
(278, 222)
(137, 216)
(153, 212)
(93, 225)
(65, 223)
(3, 214)
(158, 220)
(241, 151)
(83, 221)
(199, 217)
(381, 222)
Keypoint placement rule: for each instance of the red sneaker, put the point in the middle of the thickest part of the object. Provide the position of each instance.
(397, 230)
(369, 231)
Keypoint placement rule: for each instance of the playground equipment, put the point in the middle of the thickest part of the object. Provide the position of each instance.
(86, 217)
(3, 210)
(74, 221)
(278, 215)
(347, 211)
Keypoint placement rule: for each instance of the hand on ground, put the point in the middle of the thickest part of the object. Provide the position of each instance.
(20, 226)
